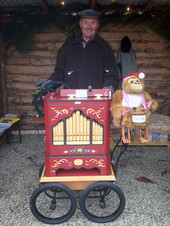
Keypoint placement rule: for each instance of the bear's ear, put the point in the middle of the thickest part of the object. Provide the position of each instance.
(141, 75)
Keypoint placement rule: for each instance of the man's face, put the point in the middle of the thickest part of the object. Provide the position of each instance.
(89, 27)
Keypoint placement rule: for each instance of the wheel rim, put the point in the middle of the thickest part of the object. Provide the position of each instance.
(53, 203)
(102, 202)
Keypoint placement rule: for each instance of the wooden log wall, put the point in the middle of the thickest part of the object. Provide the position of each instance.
(3, 90)
(24, 70)
(1, 107)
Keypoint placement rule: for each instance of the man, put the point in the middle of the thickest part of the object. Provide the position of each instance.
(87, 60)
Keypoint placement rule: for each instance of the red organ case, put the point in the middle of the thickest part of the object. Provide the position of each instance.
(77, 126)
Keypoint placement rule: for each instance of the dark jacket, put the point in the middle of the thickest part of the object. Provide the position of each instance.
(93, 65)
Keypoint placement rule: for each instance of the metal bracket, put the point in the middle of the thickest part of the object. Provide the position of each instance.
(122, 150)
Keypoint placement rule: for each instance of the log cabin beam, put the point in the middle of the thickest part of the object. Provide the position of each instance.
(3, 77)
(150, 5)
(6, 20)
(93, 4)
(5, 9)
(44, 6)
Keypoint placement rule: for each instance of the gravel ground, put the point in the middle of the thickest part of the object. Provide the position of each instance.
(146, 203)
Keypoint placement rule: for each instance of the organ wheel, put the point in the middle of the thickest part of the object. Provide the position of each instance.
(53, 203)
(102, 202)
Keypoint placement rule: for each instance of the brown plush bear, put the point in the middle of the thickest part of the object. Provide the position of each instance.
(132, 106)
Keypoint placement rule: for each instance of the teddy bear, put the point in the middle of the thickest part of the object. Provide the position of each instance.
(131, 107)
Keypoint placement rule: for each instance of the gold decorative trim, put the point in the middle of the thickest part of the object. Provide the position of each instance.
(93, 112)
(78, 162)
(98, 162)
(61, 161)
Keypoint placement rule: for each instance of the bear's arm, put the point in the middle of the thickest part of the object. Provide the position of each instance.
(148, 98)
(116, 106)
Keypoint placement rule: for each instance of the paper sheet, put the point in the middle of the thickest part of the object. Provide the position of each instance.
(4, 126)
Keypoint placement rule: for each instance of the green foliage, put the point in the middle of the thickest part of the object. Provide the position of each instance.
(160, 22)
(21, 31)
(20, 35)
(36, 103)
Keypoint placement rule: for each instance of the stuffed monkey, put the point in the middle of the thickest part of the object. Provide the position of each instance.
(132, 98)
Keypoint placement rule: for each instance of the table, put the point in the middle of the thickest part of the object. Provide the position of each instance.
(15, 122)
(36, 121)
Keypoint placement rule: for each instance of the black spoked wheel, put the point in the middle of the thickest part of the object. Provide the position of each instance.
(102, 202)
(53, 203)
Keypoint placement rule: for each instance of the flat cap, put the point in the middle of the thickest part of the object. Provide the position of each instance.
(90, 13)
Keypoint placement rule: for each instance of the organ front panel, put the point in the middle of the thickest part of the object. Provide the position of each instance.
(58, 133)
(77, 129)
(77, 132)
(97, 133)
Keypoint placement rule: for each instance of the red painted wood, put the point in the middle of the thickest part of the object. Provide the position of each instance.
(69, 156)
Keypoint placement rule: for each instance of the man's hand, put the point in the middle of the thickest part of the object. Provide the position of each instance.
(109, 87)
(42, 83)
(47, 85)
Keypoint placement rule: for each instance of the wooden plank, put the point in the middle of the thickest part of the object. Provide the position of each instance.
(38, 120)
(93, 4)
(36, 52)
(48, 45)
(145, 47)
(32, 61)
(137, 143)
(117, 36)
(150, 62)
(160, 78)
(27, 114)
(22, 86)
(20, 100)
(21, 92)
(50, 36)
(154, 70)
(22, 108)
(44, 6)
(30, 79)
(122, 28)
(77, 182)
(158, 93)
(161, 54)
(3, 89)
(156, 85)
(150, 5)
(22, 69)
(163, 107)
(32, 120)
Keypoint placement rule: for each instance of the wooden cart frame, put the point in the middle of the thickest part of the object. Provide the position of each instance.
(100, 200)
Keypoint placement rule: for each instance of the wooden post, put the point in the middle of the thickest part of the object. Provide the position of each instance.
(93, 3)
(150, 5)
(3, 88)
(44, 6)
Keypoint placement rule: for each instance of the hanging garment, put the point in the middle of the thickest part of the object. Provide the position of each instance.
(126, 58)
